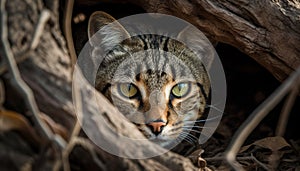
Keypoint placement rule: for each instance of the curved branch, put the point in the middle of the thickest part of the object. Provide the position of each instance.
(267, 31)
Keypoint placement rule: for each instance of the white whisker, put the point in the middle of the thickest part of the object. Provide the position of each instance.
(195, 126)
(215, 108)
(204, 120)
(190, 135)
(181, 138)
(191, 130)
(187, 138)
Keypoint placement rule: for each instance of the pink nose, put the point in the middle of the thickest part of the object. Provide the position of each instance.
(156, 126)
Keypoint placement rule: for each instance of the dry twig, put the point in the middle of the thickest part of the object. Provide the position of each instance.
(44, 17)
(284, 116)
(20, 85)
(68, 30)
(39, 28)
(85, 144)
(256, 117)
(255, 160)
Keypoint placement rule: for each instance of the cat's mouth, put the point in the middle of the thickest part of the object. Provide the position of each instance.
(160, 139)
(163, 142)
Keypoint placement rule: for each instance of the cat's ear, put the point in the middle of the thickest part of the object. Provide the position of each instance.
(105, 31)
(199, 44)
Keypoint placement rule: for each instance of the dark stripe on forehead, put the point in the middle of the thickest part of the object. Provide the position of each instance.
(165, 54)
(156, 41)
(144, 41)
(165, 47)
(148, 39)
(161, 41)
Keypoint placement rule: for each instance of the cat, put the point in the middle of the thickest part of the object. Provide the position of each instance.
(158, 83)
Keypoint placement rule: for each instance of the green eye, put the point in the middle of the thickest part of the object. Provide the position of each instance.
(127, 89)
(180, 90)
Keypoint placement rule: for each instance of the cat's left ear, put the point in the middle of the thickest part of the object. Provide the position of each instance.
(104, 31)
(199, 44)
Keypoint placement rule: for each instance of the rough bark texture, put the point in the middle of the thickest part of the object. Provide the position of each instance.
(268, 30)
(47, 69)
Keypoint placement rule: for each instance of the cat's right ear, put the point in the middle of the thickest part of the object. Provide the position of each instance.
(200, 45)
(104, 31)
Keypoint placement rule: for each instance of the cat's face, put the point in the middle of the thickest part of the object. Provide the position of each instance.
(156, 83)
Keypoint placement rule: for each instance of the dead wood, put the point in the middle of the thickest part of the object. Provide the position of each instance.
(46, 68)
(267, 31)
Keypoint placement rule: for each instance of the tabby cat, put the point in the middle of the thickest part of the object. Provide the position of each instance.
(158, 83)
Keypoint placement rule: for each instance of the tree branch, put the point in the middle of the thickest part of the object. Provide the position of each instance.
(267, 31)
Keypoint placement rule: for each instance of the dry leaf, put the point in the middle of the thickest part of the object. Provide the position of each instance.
(10, 120)
(271, 143)
(196, 158)
(55, 127)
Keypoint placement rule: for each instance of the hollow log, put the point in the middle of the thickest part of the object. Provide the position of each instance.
(35, 41)
(267, 31)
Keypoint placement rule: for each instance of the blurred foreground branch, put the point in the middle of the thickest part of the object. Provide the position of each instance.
(290, 85)
(46, 68)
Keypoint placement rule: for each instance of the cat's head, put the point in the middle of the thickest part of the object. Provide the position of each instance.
(155, 81)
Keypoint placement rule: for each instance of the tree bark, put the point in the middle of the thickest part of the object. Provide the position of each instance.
(267, 31)
(39, 48)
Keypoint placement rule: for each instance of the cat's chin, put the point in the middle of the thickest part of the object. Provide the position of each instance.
(166, 143)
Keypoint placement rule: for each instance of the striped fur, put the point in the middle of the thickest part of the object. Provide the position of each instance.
(154, 64)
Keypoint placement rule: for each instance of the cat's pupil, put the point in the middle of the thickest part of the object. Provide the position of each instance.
(129, 87)
(180, 87)
(180, 90)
